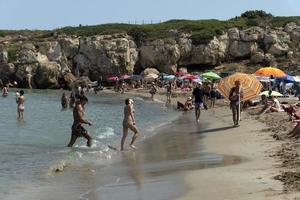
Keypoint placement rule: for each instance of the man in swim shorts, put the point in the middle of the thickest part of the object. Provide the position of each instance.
(77, 129)
(21, 106)
(198, 94)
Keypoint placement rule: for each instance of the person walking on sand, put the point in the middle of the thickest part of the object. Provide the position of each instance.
(198, 96)
(235, 97)
(21, 106)
(129, 123)
(77, 129)
(153, 90)
(169, 92)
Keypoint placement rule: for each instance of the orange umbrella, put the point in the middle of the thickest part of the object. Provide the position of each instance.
(250, 85)
(268, 71)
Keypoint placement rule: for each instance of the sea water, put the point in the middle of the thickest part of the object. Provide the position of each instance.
(34, 148)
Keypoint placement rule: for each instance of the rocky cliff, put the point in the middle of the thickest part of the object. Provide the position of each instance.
(41, 63)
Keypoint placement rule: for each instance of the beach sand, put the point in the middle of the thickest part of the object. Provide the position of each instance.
(265, 154)
(209, 160)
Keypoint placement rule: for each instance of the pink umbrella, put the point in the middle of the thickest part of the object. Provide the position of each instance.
(125, 76)
(113, 78)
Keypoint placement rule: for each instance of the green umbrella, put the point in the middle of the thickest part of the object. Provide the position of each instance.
(211, 76)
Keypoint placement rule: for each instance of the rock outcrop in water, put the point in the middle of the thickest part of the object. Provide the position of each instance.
(40, 64)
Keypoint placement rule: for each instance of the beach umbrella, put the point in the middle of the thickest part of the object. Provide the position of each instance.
(250, 85)
(263, 78)
(112, 78)
(287, 79)
(169, 77)
(198, 80)
(211, 76)
(180, 73)
(125, 76)
(190, 77)
(274, 93)
(151, 77)
(268, 71)
(135, 77)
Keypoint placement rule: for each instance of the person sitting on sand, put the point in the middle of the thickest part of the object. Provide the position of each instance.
(188, 105)
(129, 123)
(64, 100)
(275, 107)
(77, 129)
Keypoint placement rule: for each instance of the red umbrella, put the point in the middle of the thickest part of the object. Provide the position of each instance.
(190, 77)
(113, 78)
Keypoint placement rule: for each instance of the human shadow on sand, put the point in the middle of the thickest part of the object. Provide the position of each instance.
(213, 130)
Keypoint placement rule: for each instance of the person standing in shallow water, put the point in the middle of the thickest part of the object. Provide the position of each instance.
(21, 106)
(129, 123)
(77, 129)
(64, 100)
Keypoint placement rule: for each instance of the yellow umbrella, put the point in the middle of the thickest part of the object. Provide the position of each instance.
(268, 71)
(250, 85)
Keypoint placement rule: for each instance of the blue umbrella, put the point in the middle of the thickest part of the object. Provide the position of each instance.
(287, 78)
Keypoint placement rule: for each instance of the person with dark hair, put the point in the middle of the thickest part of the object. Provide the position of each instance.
(235, 97)
(64, 100)
(198, 95)
(129, 123)
(77, 129)
(21, 106)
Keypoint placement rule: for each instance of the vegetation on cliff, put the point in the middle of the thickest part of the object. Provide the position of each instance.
(201, 30)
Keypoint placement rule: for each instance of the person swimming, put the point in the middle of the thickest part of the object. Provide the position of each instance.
(129, 123)
(21, 106)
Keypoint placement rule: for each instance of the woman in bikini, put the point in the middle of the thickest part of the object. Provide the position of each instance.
(21, 106)
(129, 123)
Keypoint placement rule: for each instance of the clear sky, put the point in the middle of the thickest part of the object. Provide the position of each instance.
(50, 14)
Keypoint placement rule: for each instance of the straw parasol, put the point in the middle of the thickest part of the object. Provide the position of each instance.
(250, 85)
(270, 71)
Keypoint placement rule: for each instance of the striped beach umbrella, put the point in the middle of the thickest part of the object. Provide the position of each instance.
(268, 71)
(250, 85)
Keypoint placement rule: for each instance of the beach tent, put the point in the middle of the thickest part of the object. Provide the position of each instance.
(211, 76)
(268, 71)
(274, 93)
